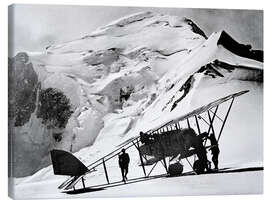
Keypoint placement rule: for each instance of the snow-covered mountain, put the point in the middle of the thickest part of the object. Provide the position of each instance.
(130, 76)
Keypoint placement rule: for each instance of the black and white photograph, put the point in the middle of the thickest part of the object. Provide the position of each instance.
(122, 101)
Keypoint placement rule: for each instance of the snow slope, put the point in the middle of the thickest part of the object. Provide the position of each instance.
(152, 58)
(211, 184)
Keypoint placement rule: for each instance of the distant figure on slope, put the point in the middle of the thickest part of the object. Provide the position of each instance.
(123, 164)
(214, 149)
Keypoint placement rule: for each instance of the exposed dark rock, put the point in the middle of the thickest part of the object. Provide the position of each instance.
(243, 50)
(22, 81)
(186, 87)
(195, 28)
(54, 108)
(57, 137)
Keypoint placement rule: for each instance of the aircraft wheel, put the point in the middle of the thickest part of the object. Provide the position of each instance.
(175, 169)
(198, 167)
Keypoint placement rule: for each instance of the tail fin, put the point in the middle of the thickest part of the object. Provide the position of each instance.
(64, 163)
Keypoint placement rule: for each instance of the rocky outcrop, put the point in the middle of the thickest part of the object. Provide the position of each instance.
(27, 135)
(23, 82)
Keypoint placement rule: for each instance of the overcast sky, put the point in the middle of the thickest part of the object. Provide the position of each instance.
(36, 26)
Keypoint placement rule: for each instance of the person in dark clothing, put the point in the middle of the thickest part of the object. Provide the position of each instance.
(144, 138)
(123, 164)
(214, 149)
(201, 152)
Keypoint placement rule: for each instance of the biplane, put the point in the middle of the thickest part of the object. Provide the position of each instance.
(175, 140)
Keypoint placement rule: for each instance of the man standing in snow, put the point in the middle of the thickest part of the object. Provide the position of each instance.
(214, 149)
(123, 164)
(197, 143)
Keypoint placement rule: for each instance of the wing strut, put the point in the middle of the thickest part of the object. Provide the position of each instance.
(105, 170)
(188, 123)
(211, 122)
(223, 124)
(140, 154)
(197, 123)
(152, 169)
(209, 116)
